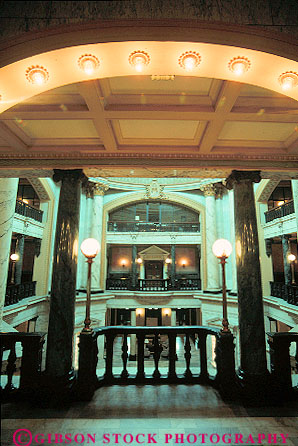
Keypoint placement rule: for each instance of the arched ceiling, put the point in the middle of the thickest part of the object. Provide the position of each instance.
(122, 124)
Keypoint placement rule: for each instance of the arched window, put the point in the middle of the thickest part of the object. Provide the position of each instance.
(153, 215)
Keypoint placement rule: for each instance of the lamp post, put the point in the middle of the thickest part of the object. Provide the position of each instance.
(222, 250)
(90, 249)
(14, 258)
(292, 258)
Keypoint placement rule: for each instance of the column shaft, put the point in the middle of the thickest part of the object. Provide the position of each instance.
(19, 264)
(173, 266)
(211, 236)
(134, 270)
(250, 303)
(63, 292)
(8, 195)
(287, 265)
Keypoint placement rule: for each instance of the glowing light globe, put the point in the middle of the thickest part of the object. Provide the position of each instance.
(90, 248)
(222, 248)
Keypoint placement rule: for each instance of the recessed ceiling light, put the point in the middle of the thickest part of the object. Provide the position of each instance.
(37, 75)
(189, 60)
(288, 80)
(88, 63)
(239, 65)
(139, 60)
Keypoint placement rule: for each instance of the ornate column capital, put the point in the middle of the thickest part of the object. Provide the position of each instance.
(91, 189)
(239, 176)
(73, 175)
(100, 188)
(209, 190)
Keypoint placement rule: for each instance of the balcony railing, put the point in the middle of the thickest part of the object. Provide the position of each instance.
(280, 360)
(88, 380)
(280, 211)
(28, 211)
(15, 293)
(135, 226)
(22, 375)
(288, 293)
(153, 284)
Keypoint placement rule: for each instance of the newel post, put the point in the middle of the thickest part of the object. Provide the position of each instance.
(88, 357)
(225, 361)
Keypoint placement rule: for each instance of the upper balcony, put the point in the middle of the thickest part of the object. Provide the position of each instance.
(28, 211)
(280, 211)
(137, 226)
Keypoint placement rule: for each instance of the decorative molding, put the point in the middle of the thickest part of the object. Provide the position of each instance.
(39, 188)
(209, 190)
(100, 189)
(155, 190)
(269, 188)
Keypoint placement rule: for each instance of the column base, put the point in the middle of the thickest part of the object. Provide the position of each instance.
(57, 389)
(212, 291)
(256, 390)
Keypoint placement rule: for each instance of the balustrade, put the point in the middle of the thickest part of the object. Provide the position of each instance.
(280, 211)
(88, 380)
(30, 369)
(135, 226)
(288, 293)
(153, 284)
(28, 211)
(15, 293)
(280, 361)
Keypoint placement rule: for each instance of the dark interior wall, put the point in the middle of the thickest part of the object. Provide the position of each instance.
(18, 17)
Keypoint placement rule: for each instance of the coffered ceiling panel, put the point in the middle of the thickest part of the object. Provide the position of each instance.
(158, 129)
(254, 131)
(58, 128)
(145, 85)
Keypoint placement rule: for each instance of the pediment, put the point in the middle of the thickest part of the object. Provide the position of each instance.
(153, 253)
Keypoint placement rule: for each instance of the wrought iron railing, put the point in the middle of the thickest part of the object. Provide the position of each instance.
(88, 380)
(28, 367)
(135, 226)
(288, 293)
(153, 284)
(28, 211)
(280, 211)
(15, 293)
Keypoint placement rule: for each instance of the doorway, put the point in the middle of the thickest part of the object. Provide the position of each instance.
(153, 269)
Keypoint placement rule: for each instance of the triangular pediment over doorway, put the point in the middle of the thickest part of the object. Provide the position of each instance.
(153, 253)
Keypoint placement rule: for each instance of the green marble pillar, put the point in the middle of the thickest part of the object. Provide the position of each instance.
(173, 266)
(286, 251)
(250, 302)
(63, 291)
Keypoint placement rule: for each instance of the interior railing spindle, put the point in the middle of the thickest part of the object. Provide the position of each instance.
(187, 356)
(156, 356)
(140, 343)
(172, 356)
(109, 356)
(124, 357)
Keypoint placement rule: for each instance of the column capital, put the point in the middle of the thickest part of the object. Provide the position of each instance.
(74, 175)
(100, 188)
(239, 176)
(209, 190)
(91, 189)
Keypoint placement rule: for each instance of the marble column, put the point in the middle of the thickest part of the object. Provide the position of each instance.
(250, 303)
(133, 338)
(173, 266)
(134, 270)
(142, 270)
(20, 244)
(295, 198)
(173, 318)
(232, 258)
(8, 195)
(63, 292)
(96, 230)
(211, 236)
(286, 252)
